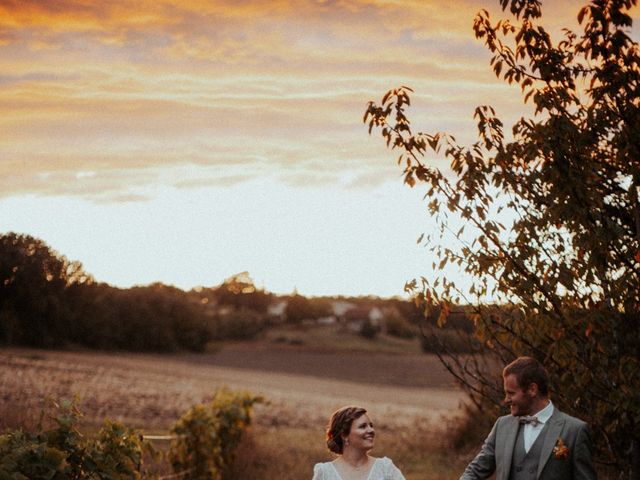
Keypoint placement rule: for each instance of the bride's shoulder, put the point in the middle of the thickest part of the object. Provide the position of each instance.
(322, 471)
(387, 468)
(386, 463)
(322, 466)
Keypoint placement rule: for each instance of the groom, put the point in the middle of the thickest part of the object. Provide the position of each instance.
(537, 441)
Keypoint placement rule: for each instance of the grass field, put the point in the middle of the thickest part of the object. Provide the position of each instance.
(338, 338)
(410, 397)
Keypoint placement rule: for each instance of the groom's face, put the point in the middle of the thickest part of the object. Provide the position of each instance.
(520, 401)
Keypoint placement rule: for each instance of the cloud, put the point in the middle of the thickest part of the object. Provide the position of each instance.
(303, 23)
(213, 180)
(99, 185)
(130, 89)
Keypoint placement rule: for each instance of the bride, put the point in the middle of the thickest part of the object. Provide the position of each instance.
(350, 435)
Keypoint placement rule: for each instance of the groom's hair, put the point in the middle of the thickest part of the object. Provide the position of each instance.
(527, 371)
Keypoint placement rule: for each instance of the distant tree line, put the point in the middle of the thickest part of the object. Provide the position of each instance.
(48, 301)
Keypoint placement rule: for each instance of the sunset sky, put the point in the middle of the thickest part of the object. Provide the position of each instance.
(184, 141)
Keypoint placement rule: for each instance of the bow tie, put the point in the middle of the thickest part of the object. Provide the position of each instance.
(530, 419)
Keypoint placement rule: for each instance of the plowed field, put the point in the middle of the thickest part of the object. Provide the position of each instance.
(150, 392)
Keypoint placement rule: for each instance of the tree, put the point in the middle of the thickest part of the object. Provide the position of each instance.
(565, 267)
(33, 284)
(300, 308)
(239, 291)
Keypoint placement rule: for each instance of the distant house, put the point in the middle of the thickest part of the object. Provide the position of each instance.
(355, 317)
(376, 316)
(277, 309)
(328, 320)
(340, 307)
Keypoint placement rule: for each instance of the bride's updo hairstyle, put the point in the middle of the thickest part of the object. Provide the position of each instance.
(339, 425)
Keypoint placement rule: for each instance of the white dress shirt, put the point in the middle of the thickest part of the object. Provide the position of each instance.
(531, 432)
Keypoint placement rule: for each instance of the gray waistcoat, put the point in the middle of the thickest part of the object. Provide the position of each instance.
(524, 465)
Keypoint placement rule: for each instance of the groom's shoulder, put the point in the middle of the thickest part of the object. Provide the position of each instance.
(571, 420)
(505, 419)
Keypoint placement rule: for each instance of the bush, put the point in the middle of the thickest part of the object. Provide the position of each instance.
(467, 430)
(62, 453)
(208, 434)
(399, 326)
(243, 324)
(440, 340)
(369, 330)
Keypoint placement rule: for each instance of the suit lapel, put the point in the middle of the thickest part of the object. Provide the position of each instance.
(506, 448)
(556, 422)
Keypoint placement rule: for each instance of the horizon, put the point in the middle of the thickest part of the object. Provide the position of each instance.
(185, 142)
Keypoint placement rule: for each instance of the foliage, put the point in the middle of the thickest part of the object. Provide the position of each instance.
(453, 336)
(550, 217)
(239, 324)
(34, 280)
(117, 452)
(368, 329)
(208, 434)
(49, 301)
(240, 292)
(398, 326)
(62, 453)
(151, 318)
(450, 340)
(301, 308)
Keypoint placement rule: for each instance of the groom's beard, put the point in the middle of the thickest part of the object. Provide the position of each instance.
(521, 407)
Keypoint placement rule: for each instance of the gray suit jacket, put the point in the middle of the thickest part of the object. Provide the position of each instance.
(497, 451)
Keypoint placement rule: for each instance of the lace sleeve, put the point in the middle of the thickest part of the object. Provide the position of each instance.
(391, 472)
(318, 472)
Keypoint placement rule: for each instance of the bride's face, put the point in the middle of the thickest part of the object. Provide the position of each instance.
(362, 433)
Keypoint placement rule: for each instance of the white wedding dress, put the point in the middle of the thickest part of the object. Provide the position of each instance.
(382, 469)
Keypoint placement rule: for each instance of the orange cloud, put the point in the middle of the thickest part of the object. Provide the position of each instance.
(277, 87)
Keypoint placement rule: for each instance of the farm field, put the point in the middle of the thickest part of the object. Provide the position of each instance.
(404, 393)
(147, 390)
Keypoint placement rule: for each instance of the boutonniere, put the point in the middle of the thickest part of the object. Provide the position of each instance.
(560, 451)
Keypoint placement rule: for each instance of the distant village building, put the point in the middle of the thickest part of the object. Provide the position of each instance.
(355, 318)
(277, 309)
(376, 316)
(328, 320)
(340, 307)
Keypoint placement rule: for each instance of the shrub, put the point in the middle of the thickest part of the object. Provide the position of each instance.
(208, 434)
(469, 427)
(117, 452)
(369, 330)
(62, 453)
(399, 326)
(435, 340)
(242, 324)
